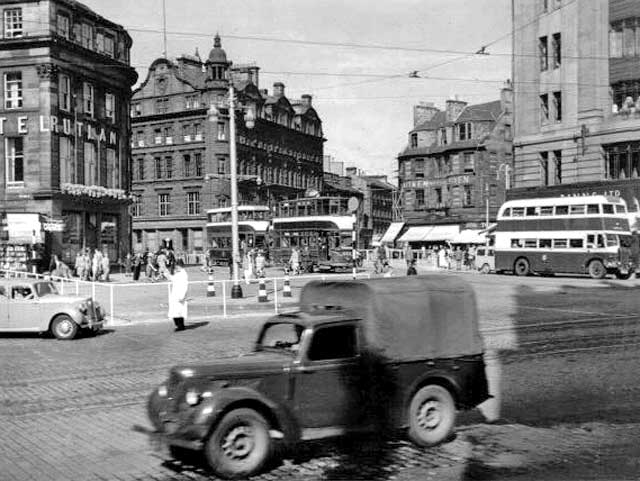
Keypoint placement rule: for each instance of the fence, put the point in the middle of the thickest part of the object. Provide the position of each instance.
(147, 301)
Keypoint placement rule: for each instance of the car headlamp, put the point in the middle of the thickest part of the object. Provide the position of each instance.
(162, 391)
(192, 397)
(84, 307)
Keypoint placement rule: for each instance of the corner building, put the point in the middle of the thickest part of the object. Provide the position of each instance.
(64, 125)
(576, 74)
(181, 157)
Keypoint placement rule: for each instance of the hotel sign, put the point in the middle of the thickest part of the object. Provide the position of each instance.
(424, 184)
(64, 126)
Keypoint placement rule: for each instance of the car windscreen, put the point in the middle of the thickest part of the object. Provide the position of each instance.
(284, 336)
(45, 289)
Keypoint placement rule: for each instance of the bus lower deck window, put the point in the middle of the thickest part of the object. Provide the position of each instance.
(544, 243)
(576, 243)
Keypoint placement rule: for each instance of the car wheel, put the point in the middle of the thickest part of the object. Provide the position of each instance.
(485, 269)
(597, 269)
(240, 445)
(521, 267)
(63, 327)
(432, 416)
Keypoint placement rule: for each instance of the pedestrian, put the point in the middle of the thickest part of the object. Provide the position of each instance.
(171, 260)
(149, 267)
(411, 271)
(247, 266)
(96, 265)
(137, 266)
(80, 264)
(178, 309)
(127, 264)
(457, 255)
(442, 258)
(260, 262)
(105, 265)
(163, 263)
(408, 254)
(294, 260)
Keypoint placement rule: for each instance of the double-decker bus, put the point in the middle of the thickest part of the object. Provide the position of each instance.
(253, 230)
(321, 228)
(577, 235)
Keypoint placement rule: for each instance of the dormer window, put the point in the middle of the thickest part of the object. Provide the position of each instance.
(464, 131)
(413, 140)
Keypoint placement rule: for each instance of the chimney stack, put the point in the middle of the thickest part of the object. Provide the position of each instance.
(506, 96)
(306, 100)
(454, 108)
(423, 112)
(278, 89)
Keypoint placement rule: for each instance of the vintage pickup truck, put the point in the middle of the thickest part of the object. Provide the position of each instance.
(381, 354)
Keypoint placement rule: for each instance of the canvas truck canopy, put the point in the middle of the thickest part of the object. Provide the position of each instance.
(408, 318)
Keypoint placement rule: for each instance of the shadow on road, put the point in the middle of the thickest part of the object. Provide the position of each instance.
(195, 325)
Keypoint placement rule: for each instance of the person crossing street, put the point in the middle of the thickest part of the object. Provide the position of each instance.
(178, 309)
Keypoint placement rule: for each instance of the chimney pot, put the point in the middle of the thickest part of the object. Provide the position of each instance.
(278, 89)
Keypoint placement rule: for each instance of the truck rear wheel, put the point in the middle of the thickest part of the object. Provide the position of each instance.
(432, 415)
(240, 444)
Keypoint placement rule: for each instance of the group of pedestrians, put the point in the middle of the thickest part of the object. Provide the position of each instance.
(253, 264)
(157, 266)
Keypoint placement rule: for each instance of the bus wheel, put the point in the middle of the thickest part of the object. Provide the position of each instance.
(521, 267)
(596, 269)
(485, 269)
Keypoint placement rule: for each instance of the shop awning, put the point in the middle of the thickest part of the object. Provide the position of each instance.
(442, 233)
(416, 233)
(490, 229)
(392, 232)
(470, 236)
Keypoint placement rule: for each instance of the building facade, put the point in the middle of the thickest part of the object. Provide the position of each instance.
(377, 204)
(456, 158)
(576, 78)
(64, 124)
(180, 159)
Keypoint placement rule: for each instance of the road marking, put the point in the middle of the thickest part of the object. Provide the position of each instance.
(584, 320)
(565, 310)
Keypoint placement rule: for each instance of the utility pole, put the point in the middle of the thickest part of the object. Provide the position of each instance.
(164, 28)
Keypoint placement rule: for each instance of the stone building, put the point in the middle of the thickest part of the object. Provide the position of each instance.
(181, 157)
(456, 158)
(64, 125)
(576, 78)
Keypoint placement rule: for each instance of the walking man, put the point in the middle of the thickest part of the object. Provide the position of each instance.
(178, 295)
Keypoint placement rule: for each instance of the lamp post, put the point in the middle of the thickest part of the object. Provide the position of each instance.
(213, 114)
(507, 175)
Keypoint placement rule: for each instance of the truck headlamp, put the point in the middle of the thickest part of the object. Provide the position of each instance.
(192, 397)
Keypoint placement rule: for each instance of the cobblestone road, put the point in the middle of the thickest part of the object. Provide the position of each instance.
(68, 408)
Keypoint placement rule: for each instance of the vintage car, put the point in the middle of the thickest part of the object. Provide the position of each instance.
(381, 355)
(28, 305)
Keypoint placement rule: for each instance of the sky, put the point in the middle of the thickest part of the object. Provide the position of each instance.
(362, 91)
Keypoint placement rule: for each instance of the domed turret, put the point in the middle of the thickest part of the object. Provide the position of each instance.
(217, 53)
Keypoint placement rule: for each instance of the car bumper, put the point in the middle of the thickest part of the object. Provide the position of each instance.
(161, 443)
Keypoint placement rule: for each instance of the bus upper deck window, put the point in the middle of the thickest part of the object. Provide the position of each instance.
(532, 211)
(507, 212)
(517, 212)
(577, 209)
(593, 209)
(546, 210)
(562, 210)
(607, 208)
(621, 209)
(612, 240)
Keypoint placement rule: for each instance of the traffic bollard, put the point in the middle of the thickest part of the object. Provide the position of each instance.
(286, 288)
(211, 287)
(262, 291)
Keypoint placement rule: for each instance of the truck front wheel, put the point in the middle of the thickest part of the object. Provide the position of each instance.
(432, 415)
(240, 445)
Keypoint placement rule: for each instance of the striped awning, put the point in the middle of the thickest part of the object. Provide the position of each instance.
(392, 232)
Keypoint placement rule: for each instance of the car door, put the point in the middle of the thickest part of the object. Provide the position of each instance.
(328, 384)
(25, 309)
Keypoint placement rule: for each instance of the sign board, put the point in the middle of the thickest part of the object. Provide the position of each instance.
(53, 225)
(353, 204)
(24, 228)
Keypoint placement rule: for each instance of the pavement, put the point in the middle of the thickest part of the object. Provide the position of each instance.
(562, 361)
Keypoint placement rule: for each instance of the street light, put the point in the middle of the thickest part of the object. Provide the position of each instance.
(507, 175)
(249, 118)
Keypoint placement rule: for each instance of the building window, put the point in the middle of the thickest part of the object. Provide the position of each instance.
(557, 155)
(14, 160)
(168, 167)
(191, 102)
(162, 105)
(467, 200)
(110, 106)
(62, 24)
(414, 140)
(222, 165)
(625, 96)
(12, 22)
(187, 165)
(543, 50)
(419, 168)
(87, 36)
(136, 109)
(556, 47)
(544, 168)
(136, 208)
(113, 178)
(109, 46)
(222, 134)
(158, 165)
(164, 201)
(544, 108)
(623, 161)
(438, 192)
(99, 42)
(88, 97)
(419, 198)
(64, 92)
(464, 131)
(557, 106)
(198, 161)
(193, 203)
(197, 132)
(141, 169)
(469, 163)
(13, 90)
(90, 170)
(67, 161)
(443, 136)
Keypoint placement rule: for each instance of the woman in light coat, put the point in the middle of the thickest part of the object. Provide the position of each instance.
(178, 309)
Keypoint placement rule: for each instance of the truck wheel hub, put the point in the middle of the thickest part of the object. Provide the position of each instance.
(429, 415)
(238, 443)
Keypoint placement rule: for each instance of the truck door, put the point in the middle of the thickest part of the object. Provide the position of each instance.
(329, 385)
